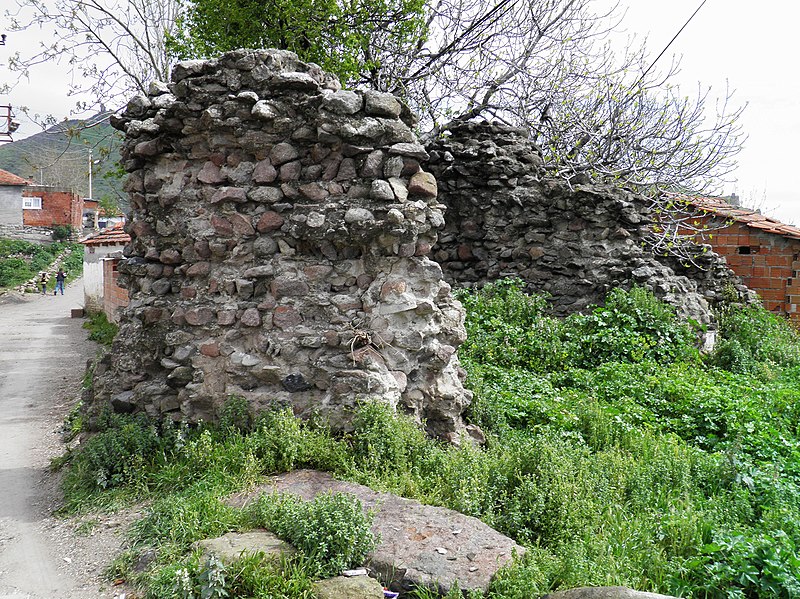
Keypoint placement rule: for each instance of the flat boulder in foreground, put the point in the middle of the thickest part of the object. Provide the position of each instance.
(420, 545)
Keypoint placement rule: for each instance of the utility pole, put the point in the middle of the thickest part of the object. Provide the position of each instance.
(90, 174)
(7, 123)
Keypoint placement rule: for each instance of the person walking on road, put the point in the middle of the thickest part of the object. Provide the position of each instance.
(60, 278)
(43, 282)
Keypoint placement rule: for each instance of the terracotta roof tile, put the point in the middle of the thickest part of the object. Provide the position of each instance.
(750, 218)
(7, 178)
(112, 236)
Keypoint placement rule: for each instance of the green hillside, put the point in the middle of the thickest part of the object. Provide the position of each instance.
(60, 157)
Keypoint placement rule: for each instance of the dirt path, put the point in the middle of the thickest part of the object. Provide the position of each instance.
(43, 354)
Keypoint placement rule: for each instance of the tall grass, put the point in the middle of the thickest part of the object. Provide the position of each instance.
(645, 468)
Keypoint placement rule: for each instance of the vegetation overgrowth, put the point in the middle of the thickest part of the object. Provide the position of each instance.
(100, 329)
(20, 261)
(616, 452)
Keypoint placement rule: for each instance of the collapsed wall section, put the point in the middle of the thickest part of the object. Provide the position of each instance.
(280, 231)
(507, 218)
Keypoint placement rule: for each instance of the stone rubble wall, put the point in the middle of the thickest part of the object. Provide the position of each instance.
(505, 218)
(27, 233)
(280, 231)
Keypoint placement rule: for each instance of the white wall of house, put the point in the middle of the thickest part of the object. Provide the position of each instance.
(11, 205)
(93, 274)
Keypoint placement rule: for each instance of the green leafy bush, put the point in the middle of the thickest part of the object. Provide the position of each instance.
(752, 565)
(752, 337)
(121, 454)
(632, 326)
(333, 530)
(62, 232)
(509, 328)
(100, 329)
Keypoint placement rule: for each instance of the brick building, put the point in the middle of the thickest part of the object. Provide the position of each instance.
(114, 297)
(761, 250)
(51, 207)
(100, 261)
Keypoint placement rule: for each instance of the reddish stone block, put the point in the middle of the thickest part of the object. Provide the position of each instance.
(269, 221)
(285, 317)
(210, 349)
(170, 256)
(198, 269)
(241, 225)
(222, 225)
(198, 316)
(229, 194)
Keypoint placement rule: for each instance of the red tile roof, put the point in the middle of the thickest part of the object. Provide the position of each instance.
(7, 178)
(750, 218)
(112, 236)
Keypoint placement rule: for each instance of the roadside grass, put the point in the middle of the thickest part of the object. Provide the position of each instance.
(100, 329)
(630, 460)
(20, 261)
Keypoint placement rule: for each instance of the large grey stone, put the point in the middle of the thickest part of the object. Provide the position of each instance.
(343, 102)
(344, 587)
(420, 545)
(233, 545)
(605, 593)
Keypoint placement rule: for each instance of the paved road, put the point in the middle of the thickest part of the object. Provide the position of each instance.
(43, 354)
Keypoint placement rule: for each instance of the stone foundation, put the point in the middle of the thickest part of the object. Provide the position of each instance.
(505, 218)
(280, 229)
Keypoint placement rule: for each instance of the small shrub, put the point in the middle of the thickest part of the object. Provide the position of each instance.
(751, 336)
(236, 416)
(62, 232)
(100, 329)
(632, 326)
(333, 530)
(118, 455)
(507, 327)
(750, 565)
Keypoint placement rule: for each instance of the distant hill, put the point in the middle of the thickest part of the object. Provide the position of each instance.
(60, 157)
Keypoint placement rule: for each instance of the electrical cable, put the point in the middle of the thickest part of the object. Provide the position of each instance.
(674, 37)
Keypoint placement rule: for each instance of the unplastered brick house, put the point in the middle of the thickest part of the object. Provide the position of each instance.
(761, 250)
(100, 261)
(11, 191)
(52, 207)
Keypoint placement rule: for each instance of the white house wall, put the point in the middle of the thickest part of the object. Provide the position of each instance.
(93, 275)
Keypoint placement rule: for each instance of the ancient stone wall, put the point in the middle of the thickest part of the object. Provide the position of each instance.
(506, 218)
(280, 232)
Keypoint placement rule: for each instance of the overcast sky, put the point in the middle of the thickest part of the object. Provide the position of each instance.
(751, 46)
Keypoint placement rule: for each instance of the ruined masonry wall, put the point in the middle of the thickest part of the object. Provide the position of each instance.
(280, 229)
(505, 218)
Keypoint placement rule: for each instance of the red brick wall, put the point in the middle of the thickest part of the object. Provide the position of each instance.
(58, 208)
(766, 262)
(114, 296)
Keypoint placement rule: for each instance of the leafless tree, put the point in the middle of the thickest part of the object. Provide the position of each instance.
(598, 115)
(112, 48)
(545, 65)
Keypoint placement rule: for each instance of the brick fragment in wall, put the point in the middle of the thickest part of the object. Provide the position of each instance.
(260, 254)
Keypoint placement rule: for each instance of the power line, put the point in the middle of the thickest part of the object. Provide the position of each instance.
(674, 37)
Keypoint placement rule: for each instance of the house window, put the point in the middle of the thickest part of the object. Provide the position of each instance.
(32, 203)
(744, 249)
